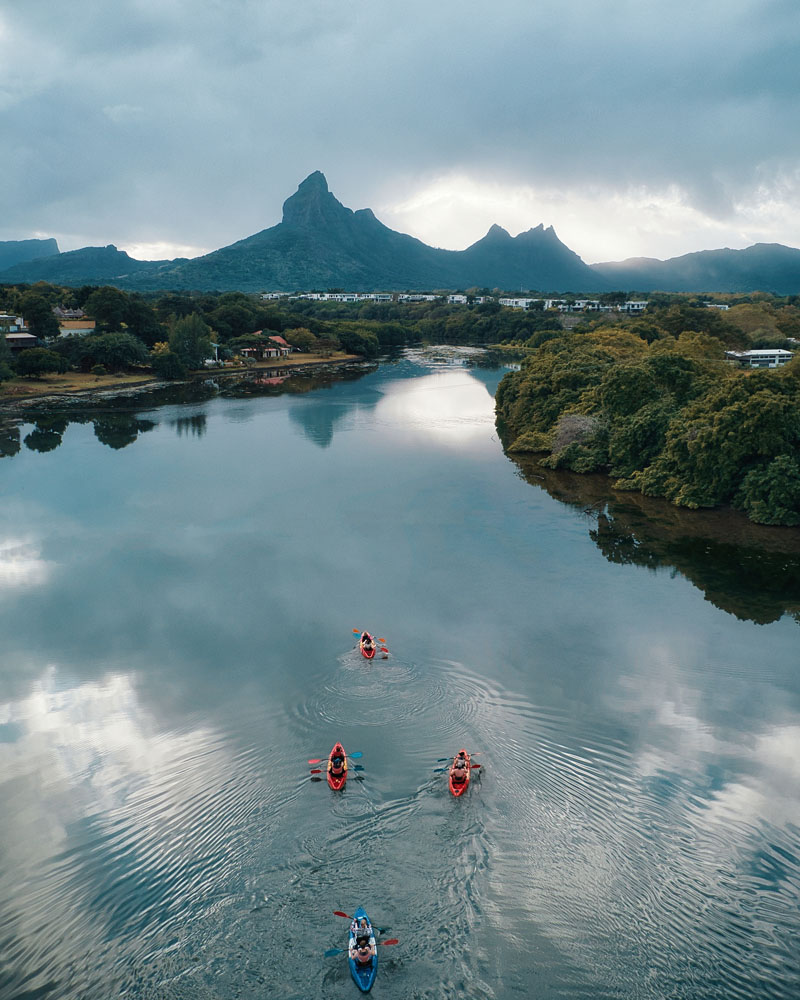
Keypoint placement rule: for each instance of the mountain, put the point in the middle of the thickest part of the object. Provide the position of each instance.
(321, 244)
(763, 267)
(88, 266)
(500, 260)
(16, 251)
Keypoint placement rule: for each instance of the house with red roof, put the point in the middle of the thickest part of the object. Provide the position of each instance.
(283, 346)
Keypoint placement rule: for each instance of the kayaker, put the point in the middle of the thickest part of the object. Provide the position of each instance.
(459, 772)
(366, 641)
(337, 766)
(362, 949)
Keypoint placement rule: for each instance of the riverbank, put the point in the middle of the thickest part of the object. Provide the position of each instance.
(20, 391)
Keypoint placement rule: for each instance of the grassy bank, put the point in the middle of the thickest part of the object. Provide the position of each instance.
(71, 383)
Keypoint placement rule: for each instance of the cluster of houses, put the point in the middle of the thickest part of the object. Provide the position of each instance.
(460, 299)
(19, 336)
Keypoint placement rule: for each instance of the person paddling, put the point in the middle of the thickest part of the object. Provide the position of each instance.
(336, 766)
(460, 768)
(362, 948)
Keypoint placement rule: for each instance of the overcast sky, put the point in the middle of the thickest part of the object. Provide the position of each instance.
(174, 127)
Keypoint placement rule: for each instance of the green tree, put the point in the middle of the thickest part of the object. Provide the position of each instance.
(38, 361)
(190, 340)
(38, 314)
(142, 322)
(300, 337)
(167, 365)
(115, 351)
(108, 306)
(5, 357)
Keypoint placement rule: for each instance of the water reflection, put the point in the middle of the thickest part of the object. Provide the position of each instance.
(116, 424)
(448, 407)
(22, 565)
(635, 829)
(194, 426)
(107, 828)
(751, 571)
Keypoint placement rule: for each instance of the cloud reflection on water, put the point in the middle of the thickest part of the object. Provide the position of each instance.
(448, 408)
(108, 826)
(21, 565)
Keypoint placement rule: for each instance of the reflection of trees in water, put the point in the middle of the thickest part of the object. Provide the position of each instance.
(47, 432)
(118, 430)
(9, 440)
(194, 425)
(748, 570)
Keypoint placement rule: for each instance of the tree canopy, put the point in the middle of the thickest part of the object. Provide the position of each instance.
(668, 419)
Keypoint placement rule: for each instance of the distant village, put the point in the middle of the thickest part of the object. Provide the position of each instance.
(460, 299)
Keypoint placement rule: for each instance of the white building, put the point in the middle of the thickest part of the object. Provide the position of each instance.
(773, 357)
(457, 300)
(12, 324)
(518, 303)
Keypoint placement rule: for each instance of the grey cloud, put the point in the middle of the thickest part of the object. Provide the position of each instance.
(216, 111)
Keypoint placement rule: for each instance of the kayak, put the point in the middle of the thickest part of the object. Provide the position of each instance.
(459, 787)
(365, 974)
(368, 653)
(337, 781)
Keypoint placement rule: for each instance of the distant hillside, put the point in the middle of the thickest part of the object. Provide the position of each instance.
(17, 251)
(88, 266)
(320, 244)
(763, 267)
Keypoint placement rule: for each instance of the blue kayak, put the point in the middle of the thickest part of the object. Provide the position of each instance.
(363, 973)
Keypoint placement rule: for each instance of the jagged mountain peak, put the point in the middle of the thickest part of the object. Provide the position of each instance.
(497, 233)
(313, 205)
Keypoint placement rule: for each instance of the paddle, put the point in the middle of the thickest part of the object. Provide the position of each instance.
(341, 913)
(355, 767)
(341, 951)
(352, 756)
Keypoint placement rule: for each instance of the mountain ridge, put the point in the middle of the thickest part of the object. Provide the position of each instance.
(320, 243)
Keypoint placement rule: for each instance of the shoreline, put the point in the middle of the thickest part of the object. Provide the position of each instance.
(74, 385)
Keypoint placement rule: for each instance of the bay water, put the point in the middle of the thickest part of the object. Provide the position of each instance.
(181, 575)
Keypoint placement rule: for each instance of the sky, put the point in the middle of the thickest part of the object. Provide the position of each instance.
(174, 127)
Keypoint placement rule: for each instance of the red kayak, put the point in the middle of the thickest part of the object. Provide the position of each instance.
(367, 645)
(336, 781)
(459, 777)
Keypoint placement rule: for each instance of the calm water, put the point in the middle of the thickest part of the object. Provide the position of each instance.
(179, 582)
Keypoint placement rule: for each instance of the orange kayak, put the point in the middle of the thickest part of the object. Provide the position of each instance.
(336, 781)
(367, 645)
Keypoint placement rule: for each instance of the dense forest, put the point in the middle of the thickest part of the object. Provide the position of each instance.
(649, 399)
(654, 403)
